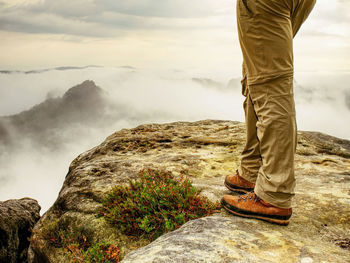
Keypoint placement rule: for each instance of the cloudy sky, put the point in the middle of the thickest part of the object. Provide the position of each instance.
(151, 33)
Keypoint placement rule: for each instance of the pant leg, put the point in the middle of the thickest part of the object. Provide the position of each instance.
(277, 132)
(266, 38)
(300, 11)
(250, 157)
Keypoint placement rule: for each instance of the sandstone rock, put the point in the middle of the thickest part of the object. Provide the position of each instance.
(206, 151)
(17, 218)
(223, 238)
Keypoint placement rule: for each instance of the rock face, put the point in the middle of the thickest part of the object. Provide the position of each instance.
(206, 151)
(17, 218)
(83, 104)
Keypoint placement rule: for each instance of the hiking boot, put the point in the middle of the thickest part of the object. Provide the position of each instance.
(251, 206)
(237, 183)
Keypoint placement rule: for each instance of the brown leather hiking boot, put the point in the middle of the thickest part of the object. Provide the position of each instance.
(235, 182)
(251, 206)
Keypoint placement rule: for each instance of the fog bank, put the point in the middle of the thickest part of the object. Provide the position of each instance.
(37, 146)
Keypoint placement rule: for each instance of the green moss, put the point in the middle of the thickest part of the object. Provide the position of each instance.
(50, 232)
(156, 203)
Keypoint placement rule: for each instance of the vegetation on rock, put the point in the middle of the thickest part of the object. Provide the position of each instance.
(74, 241)
(156, 203)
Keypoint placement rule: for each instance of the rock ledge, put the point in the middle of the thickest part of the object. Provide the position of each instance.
(206, 151)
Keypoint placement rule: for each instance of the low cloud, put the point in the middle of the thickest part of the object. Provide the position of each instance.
(37, 159)
(37, 145)
(329, 19)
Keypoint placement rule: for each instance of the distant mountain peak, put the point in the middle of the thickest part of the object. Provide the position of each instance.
(84, 103)
(85, 90)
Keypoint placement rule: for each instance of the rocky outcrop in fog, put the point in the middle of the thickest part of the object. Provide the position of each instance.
(206, 151)
(232, 85)
(209, 83)
(17, 218)
(83, 104)
(347, 98)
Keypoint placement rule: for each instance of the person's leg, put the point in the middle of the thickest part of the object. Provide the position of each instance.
(266, 37)
(250, 157)
(266, 29)
(299, 12)
(277, 132)
(276, 110)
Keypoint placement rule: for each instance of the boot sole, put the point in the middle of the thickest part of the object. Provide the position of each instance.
(238, 188)
(238, 212)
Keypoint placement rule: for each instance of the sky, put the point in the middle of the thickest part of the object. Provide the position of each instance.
(177, 34)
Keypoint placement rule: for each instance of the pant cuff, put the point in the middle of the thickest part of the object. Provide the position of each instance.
(246, 175)
(277, 199)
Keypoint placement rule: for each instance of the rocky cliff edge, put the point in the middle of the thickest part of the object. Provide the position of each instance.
(206, 151)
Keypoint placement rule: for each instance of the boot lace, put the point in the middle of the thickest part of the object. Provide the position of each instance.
(251, 197)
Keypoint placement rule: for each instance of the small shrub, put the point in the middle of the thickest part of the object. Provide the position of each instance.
(156, 203)
(73, 236)
(73, 240)
(97, 253)
(60, 234)
(102, 253)
(50, 232)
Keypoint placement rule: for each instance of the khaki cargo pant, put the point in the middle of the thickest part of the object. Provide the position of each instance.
(266, 29)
